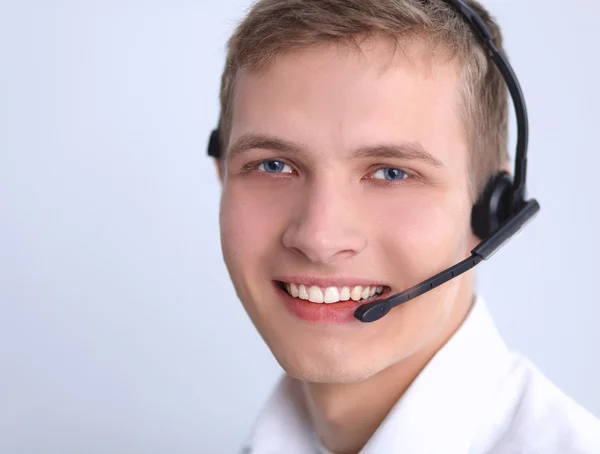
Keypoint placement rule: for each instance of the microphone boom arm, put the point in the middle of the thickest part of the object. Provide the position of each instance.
(371, 312)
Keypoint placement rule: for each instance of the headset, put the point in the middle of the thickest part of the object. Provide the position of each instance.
(502, 209)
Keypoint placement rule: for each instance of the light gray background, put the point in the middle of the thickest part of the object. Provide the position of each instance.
(119, 328)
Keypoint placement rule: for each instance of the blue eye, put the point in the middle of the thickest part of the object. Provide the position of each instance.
(390, 174)
(274, 166)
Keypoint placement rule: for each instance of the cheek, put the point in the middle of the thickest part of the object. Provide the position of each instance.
(239, 221)
(426, 232)
(425, 235)
(251, 223)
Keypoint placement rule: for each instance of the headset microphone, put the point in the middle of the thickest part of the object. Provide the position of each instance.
(499, 214)
(502, 210)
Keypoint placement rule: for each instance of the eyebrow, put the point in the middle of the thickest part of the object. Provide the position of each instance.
(263, 141)
(403, 150)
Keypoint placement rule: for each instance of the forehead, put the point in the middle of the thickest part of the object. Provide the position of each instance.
(335, 97)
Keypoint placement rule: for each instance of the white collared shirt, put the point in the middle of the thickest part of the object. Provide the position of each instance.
(473, 397)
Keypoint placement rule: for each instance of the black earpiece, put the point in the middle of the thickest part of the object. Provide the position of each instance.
(494, 205)
(214, 144)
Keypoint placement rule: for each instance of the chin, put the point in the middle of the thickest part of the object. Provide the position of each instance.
(326, 366)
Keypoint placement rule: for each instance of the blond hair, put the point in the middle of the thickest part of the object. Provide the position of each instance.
(273, 27)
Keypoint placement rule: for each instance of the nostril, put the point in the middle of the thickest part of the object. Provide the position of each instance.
(345, 254)
(297, 251)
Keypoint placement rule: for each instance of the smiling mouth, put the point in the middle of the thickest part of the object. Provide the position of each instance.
(332, 295)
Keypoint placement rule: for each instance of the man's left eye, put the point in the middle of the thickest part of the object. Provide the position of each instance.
(390, 174)
(274, 166)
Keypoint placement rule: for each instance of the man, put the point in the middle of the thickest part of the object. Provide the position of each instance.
(356, 137)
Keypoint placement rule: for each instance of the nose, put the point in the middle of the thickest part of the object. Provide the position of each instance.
(328, 225)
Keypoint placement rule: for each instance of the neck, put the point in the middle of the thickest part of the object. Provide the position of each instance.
(346, 415)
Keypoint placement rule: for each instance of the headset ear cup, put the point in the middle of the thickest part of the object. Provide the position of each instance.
(493, 207)
(214, 144)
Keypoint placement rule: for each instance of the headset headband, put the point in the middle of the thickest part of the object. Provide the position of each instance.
(485, 37)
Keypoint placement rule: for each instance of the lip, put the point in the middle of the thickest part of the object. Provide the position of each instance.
(336, 313)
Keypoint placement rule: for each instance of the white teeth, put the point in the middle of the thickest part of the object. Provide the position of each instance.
(302, 293)
(331, 295)
(355, 294)
(365, 293)
(294, 290)
(345, 294)
(315, 295)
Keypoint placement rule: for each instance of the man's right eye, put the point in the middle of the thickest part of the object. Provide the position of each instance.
(274, 166)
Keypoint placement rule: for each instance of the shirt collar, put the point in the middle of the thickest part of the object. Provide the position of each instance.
(440, 411)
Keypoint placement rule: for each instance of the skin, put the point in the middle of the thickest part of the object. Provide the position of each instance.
(330, 214)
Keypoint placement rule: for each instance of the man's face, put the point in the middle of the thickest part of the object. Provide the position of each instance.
(346, 169)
